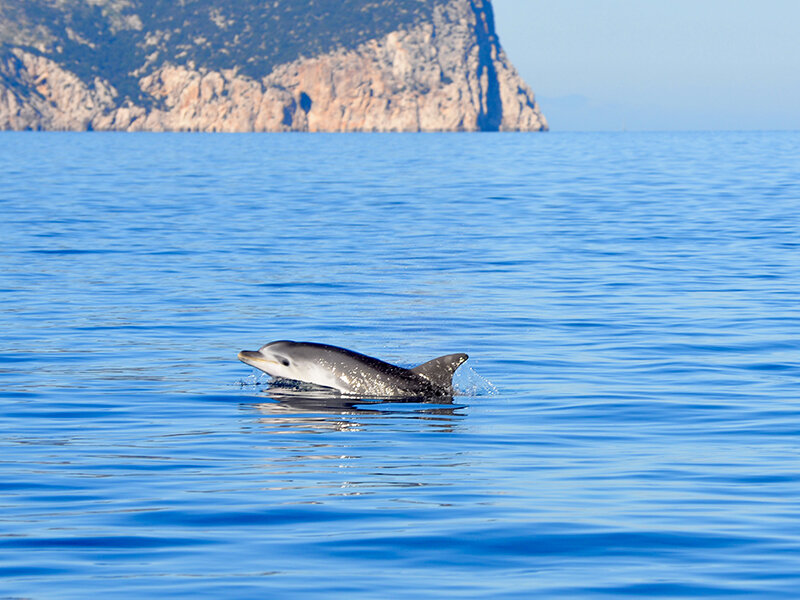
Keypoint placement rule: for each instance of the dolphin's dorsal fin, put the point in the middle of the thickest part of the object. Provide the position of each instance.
(439, 371)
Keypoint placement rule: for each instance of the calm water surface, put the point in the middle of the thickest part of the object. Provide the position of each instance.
(628, 423)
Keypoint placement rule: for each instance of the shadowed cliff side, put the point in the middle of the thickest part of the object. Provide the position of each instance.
(351, 65)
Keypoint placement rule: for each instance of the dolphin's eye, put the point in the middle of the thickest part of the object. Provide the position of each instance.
(285, 362)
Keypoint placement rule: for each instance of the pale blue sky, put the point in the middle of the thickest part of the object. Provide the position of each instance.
(657, 65)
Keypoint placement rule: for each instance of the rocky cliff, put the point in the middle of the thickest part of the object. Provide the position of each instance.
(282, 65)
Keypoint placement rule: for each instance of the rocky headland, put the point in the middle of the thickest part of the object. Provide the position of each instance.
(285, 65)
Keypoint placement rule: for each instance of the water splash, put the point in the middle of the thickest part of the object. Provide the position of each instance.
(468, 382)
(255, 379)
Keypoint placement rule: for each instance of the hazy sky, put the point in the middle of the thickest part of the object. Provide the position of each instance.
(657, 64)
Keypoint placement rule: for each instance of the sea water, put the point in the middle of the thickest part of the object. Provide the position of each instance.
(628, 423)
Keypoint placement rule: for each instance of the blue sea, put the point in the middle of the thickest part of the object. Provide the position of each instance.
(627, 425)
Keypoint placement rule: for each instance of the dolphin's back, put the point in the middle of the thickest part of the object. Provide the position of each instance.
(345, 356)
(434, 377)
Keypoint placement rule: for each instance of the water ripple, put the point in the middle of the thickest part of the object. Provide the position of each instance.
(626, 425)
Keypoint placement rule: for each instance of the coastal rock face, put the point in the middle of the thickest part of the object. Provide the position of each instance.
(442, 69)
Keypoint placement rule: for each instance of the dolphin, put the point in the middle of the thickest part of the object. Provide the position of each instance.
(353, 373)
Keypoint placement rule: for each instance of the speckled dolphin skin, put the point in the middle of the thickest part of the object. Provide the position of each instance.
(353, 373)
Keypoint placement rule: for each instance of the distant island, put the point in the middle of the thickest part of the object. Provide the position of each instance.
(258, 65)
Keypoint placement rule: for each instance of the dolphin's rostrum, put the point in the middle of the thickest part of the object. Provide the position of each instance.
(351, 372)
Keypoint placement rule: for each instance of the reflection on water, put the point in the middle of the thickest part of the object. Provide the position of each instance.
(317, 409)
